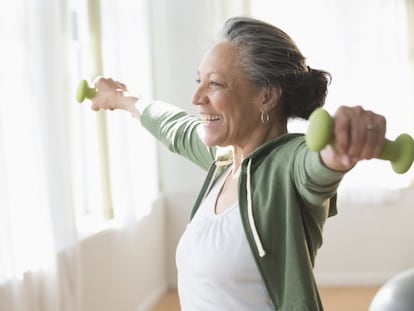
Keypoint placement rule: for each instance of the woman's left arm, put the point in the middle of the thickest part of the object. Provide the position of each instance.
(359, 135)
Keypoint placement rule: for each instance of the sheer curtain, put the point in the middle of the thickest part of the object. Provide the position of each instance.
(124, 55)
(126, 47)
(38, 260)
(364, 45)
(50, 177)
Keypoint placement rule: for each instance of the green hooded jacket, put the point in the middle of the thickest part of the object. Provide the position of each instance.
(285, 196)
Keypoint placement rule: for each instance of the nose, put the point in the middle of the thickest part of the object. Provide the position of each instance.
(199, 97)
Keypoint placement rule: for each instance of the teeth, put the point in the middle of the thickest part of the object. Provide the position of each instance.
(210, 117)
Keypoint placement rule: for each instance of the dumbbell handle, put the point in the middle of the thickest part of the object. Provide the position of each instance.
(399, 152)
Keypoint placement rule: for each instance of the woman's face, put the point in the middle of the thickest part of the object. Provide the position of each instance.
(227, 100)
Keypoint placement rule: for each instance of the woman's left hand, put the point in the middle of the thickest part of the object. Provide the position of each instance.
(359, 135)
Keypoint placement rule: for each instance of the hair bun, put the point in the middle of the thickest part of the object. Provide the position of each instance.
(304, 92)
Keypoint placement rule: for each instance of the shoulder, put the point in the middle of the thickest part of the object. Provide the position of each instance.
(286, 145)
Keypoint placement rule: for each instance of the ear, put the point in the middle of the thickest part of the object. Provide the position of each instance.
(271, 98)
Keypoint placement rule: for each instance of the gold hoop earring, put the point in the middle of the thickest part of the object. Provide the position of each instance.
(264, 117)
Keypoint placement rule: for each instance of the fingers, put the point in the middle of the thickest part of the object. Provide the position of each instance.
(94, 106)
(375, 136)
(109, 84)
(359, 134)
(121, 86)
(109, 94)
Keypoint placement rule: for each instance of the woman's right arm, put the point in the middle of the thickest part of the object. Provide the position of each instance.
(172, 126)
(179, 131)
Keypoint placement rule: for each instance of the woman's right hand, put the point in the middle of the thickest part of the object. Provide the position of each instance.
(111, 94)
(359, 135)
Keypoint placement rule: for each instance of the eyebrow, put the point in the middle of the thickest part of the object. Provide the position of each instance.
(210, 73)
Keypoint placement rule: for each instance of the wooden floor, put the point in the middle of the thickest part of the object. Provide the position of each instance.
(334, 299)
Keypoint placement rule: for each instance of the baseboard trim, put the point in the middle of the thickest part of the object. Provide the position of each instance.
(152, 299)
(354, 279)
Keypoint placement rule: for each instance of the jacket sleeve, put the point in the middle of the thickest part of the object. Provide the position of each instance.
(315, 182)
(178, 131)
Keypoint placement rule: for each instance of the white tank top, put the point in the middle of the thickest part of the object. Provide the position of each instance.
(216, 268)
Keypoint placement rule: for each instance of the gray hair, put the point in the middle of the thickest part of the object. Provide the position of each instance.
(271, 58)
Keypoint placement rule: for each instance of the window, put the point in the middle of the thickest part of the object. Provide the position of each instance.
(114, 158)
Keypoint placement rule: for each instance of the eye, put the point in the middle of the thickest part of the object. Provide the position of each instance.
(198, 81)
(215, 83)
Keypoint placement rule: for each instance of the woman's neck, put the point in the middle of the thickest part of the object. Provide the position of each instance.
(242, 152)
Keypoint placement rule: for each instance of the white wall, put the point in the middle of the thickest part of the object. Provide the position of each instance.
(368, 243)
(124, 269)
(180, 38)
(363, 244)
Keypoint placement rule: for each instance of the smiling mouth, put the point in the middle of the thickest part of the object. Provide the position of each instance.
(210, 117)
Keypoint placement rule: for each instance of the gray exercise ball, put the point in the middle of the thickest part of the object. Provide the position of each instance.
(397, 294)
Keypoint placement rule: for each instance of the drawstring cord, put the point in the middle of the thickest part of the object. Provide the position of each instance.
(252, 224)
(256, 236)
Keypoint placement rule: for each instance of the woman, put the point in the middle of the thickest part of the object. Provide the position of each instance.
(257, 223)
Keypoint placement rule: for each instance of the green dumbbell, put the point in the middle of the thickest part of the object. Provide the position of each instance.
(399, 152)
(84, 91)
